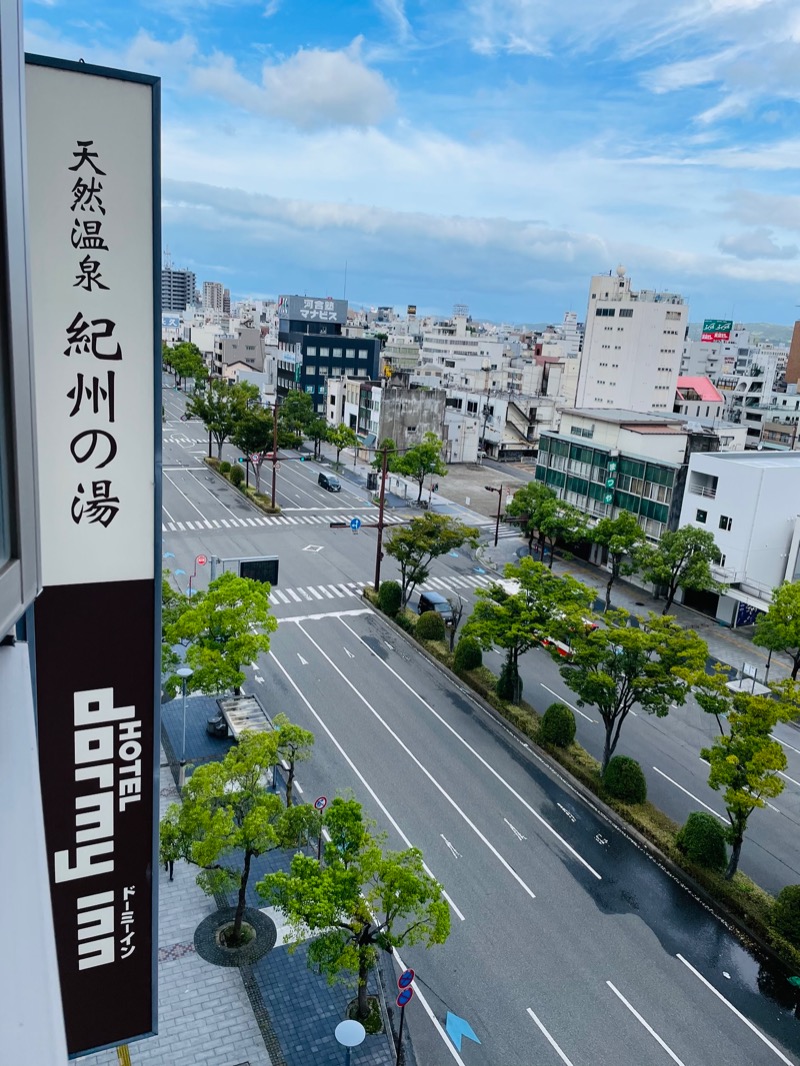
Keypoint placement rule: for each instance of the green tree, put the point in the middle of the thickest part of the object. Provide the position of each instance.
(362, 898)
(745, 763)
(252, 435)
(295, 415)
(424, 539)
(526, 505)
(187, 361)
(681, 560)
(220, 407)
(559, 521)
(228, 818)
(341, 437)
(391, 450)
(224, 627)
(519, 620)
(317, 431)
(615, 667)
(622, 537)
(422, 460)
(779, 628)
(294, 746)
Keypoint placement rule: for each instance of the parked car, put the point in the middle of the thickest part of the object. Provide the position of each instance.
(329, 482)
(432, 601)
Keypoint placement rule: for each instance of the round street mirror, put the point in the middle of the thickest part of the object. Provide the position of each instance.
(350, 1033)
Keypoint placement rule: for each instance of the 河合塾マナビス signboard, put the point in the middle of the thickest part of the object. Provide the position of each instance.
(94, 236)
(716, 329)
(312, 309)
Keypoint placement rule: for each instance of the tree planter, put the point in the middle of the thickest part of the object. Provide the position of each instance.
(373, 1023)
(209, 937)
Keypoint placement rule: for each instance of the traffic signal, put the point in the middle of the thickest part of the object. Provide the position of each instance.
(302, 458)
(240, 459)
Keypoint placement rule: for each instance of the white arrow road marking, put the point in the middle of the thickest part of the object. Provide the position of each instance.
(456, 854)
(259, 679)
(349, 653)
(569, 814)
(254, 665)
(302, 660)
(516, 832)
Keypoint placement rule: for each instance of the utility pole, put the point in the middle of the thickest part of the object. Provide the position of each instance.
(274, 448)
(379, 553)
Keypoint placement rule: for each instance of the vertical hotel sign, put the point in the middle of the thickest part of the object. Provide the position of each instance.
(93, 221)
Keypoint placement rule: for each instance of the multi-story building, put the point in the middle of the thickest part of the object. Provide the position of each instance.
(213, 292)
(226, 301)
(245, 346)
(313, 347)
(631, 347)
(384, 410)
(177, 289)
(697, 397)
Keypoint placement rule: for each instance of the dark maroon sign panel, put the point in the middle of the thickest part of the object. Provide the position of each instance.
(95, 652)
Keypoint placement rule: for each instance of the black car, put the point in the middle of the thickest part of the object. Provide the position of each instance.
(433, 601)
(329, 482)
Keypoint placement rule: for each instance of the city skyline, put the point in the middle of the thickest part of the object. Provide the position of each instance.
(495, 153)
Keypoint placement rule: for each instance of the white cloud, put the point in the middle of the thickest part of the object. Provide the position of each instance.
(757, 244)
(312, 89)
(394, 11)
(271, 8)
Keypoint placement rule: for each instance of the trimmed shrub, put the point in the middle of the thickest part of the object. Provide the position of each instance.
(430, 626)
(702, 840)
(785, 918)
(390, 597)
(224, 467)
(236, 475)
(509, 683)
(624, 780)
(557, 725)
(468, 655)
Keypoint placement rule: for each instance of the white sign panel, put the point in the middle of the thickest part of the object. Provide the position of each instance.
(90, 180)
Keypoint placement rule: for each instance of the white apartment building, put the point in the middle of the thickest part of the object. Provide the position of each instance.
(213, 292)
(632, 346)
(750, 501)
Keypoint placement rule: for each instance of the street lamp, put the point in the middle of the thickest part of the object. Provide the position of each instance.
(184, 673)
(499, 506)
(349, 1034)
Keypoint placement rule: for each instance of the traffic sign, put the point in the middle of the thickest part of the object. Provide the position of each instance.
(405, 978)
(202, 560)
(405, 997)
(355, 523)
(321, 803)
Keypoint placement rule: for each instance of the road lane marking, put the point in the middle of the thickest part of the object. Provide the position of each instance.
(516, 832)
(737, 1012)
(480, 758)
(789, 778)
(550, 1040)
(455, 854)
(426, 1007)
(690, 794)
(785, 744)
(446, 795)
(647, 1025)
(360, 776)
(562, 700)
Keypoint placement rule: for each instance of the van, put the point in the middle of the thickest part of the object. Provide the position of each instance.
(432, 601)
(329, 482)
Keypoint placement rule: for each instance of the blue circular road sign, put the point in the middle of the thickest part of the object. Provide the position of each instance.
(321, 803)
(355, 523)
(405, 997)
(405, 978)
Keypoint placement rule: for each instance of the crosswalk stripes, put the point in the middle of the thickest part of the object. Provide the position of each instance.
(270, 520)
(313, 593)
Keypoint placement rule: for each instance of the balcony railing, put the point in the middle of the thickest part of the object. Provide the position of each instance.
(703, 490)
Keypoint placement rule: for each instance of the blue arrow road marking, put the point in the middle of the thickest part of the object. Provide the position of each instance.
(457, 1028)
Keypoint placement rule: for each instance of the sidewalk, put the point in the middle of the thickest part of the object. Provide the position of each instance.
(275, 1012)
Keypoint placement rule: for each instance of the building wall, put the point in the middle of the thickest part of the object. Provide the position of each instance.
(406, 415)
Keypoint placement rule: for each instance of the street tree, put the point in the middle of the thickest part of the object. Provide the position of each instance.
(746, 761)
(341, 437)
(317, 432)
(617, 666)
(186, 361)
(295, 415)
(227, 818)
(224, 627)
(361, 899)
(421, 460)
(622, 537)
(525, 506)
(253, 435)
(558, 520)
(389, 446)
(522, 615)
(682, 559)
(220, 407)
(779, 628)
(294, 746)
(424, 539)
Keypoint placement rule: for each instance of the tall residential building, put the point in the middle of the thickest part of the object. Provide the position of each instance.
(631, 347)
(213, 292)
(177, 289)
(226, 301)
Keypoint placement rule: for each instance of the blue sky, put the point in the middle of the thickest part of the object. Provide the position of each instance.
(488, 152)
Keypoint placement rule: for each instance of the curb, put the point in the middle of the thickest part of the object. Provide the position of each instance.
(730, 920)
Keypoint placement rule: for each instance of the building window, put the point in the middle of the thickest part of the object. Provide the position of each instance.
(324, 353)
(363, 353)
(311, 351)
(721, 560)
(725, 522)
(605, 312)
(701, 517)
(337, 353)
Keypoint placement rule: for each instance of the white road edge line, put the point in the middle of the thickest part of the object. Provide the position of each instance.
(550, 1040)
(786, 744)
(738, 1013)
(690, 794)
(360, 776)
(481, 836)
(426, 1007)
(647, 1025)
(481, 760)
(562, 700)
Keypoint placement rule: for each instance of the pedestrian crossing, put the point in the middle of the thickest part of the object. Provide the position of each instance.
(272, 520)
(505, 532)
(341, 590)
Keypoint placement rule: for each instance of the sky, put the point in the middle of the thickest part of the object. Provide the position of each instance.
(493, 153)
